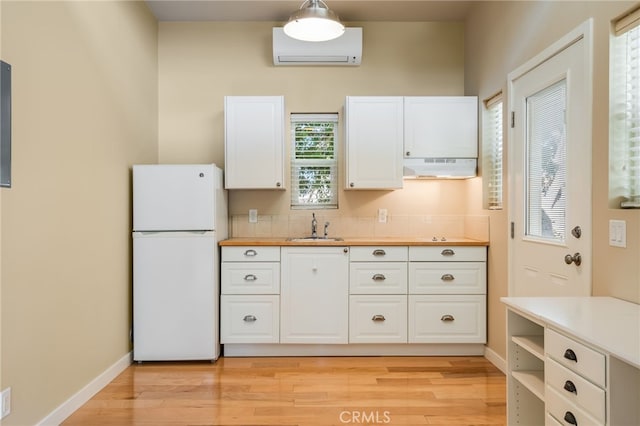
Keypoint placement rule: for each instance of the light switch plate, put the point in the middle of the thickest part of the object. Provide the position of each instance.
(618, 233)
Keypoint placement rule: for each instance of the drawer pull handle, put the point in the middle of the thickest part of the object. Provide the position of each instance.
(570, 387)
(447, 318)
(379, 252)
(570, 355)
(378, 318)
(447, 252)
(570, 418)
(378, 277)
(251, 252)
(250, 277)
(249, 318)
(447, 277)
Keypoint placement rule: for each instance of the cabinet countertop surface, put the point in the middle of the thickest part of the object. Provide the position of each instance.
(612, 325)
(359, 241)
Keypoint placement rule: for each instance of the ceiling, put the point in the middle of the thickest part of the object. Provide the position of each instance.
(279, 10)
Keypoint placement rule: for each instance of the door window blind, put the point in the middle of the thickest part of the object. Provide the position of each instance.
(314, 165)
(492, 152)
(546, 162)
(625, 110)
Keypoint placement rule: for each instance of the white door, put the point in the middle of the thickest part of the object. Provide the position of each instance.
(174, 197)
(374, 139)
(550, 167)
(175, 296)
(314, 295)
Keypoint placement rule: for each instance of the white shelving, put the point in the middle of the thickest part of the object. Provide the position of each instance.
(533, 344)
(532, 380)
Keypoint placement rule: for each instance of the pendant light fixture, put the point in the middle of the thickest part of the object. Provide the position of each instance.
(315, 22)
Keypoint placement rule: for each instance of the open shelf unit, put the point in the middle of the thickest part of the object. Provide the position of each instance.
(525, 383)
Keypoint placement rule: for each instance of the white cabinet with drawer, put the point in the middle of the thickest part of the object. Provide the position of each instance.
(447, 294)
(447, 319)
(378, 319)
(250, 301)
(378, 294)
(573, 361)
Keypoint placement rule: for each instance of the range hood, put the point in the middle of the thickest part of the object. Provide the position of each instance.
(439, 168)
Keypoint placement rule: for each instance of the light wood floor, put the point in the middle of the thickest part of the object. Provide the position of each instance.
(303, 391)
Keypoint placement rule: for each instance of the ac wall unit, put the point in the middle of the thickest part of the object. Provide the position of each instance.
(344, 50)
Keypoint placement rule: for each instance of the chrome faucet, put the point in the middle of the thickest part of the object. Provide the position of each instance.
(326, 232)
(314, 226)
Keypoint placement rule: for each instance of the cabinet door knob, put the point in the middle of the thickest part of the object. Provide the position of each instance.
(249, 318)
(570, 418)
(351, 185)
(250, 277)
(378, 318)
(408, 153)
(379, 252)
(447, 252)
(250, 252)
(570, 355)
(570, 387)
(447, 277)
(447, 318)
(278, 184)
(378, 277)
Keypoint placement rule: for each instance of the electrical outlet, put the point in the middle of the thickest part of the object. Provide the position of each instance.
(6, 403)
(253, 216)
(382, 215)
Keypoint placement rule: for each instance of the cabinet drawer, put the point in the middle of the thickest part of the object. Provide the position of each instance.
(249, 319)
(550, 421)
(447, 319)
(447, 277)
(250, 278)
(566, 412)
(250, 254)
(448, 254)
(378, 278)
(378, 319)
(588, 362)
(580, 391)
(378, 254)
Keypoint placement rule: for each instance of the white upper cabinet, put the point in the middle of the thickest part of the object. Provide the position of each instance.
(441, 127)
(254, 141)
(374, 142)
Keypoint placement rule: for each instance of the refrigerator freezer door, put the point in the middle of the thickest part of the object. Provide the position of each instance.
(174, 197)
(175, 294)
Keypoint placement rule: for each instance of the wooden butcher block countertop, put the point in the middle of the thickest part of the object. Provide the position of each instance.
(359, 241)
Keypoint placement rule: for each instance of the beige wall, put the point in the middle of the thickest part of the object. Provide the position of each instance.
(500, 37)
(200, 63)
(84, 110)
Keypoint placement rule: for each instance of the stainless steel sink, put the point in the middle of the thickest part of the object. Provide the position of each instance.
(313, 239)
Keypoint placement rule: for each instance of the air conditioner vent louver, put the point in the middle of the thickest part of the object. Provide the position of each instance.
(343, 51)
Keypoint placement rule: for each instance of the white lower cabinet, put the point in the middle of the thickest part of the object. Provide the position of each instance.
(314, 295)
(556, 378)
(360, 300)
(249, 319)
(447, 319)
(250, 301)
(378, 319)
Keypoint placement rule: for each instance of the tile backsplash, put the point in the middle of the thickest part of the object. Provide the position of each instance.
(413, 226)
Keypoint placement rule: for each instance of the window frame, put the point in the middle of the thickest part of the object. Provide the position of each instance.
(329, 164)
(493, 152)
(624, 138)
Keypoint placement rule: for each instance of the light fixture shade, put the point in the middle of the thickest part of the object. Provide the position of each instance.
(314, 23)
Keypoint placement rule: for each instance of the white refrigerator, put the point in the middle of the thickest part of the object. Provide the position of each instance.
(179, 215)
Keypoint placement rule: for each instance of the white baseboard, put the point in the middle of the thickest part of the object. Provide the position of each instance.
(496, 360)
(68, 407)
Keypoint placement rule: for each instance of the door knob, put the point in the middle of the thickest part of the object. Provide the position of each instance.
(576, 258)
